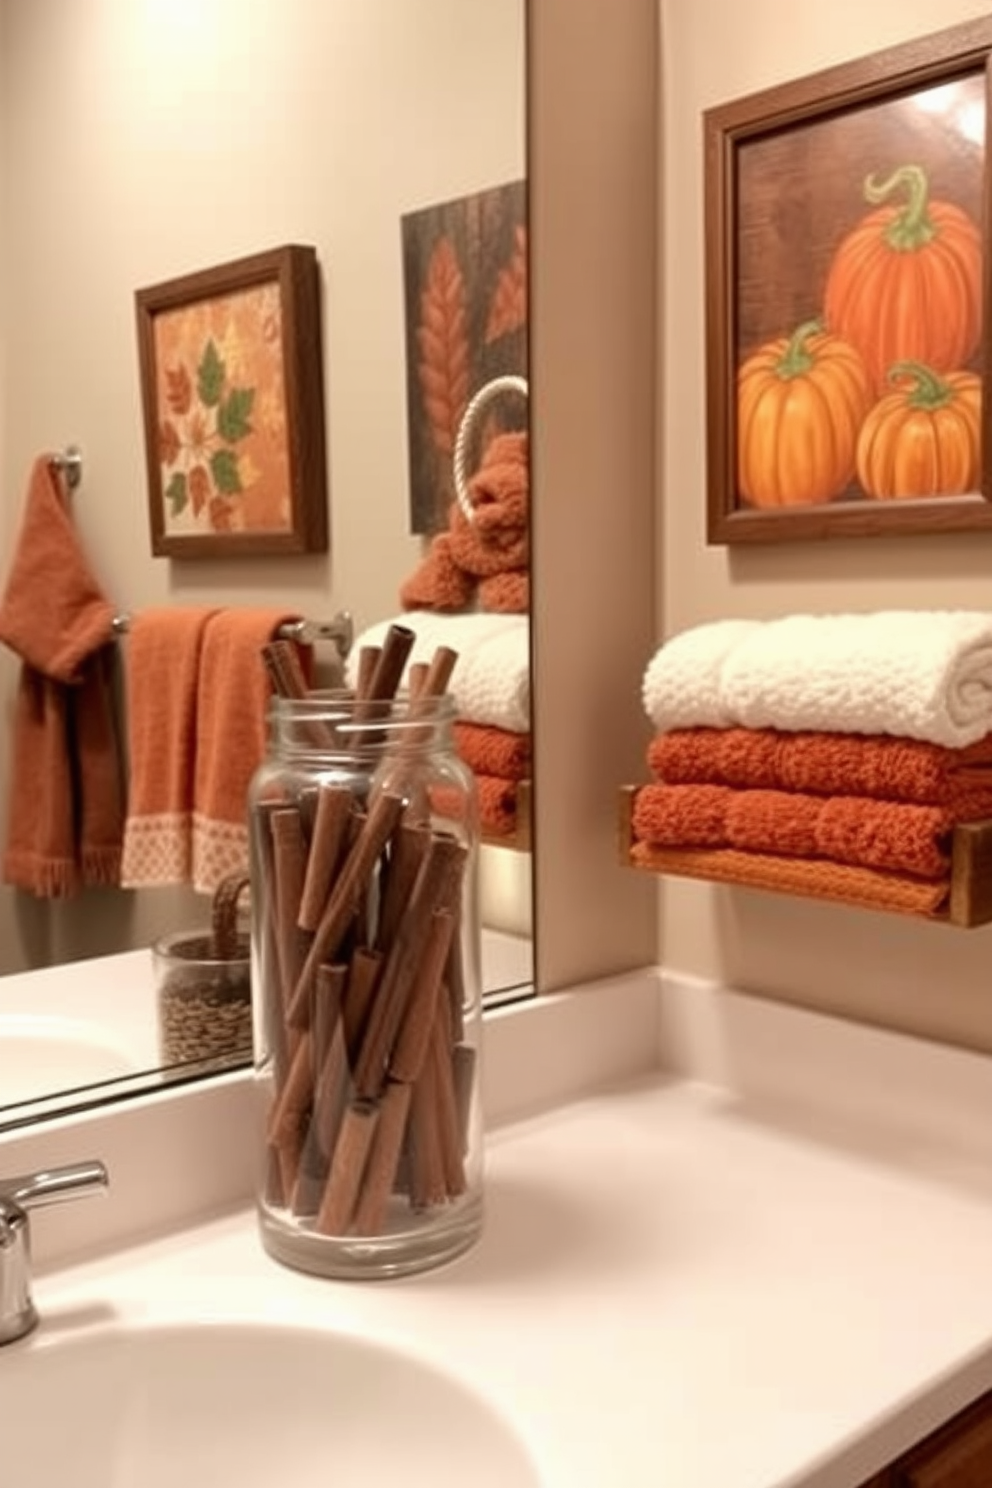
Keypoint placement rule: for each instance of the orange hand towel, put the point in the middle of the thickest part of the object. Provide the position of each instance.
(826, 764)
(844, 883)
(494, 751)
(886, 835)
(233, 695)
(65, 818)
(163, 668)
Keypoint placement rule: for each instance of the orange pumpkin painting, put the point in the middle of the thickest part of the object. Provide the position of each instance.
(906, 284)
(923, 438)
(801, 400)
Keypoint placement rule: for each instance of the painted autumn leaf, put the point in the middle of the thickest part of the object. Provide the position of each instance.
(168, 442)
(199, 489)
(175, 493)
(508, 308)
(178, 389)
(442, 340)
(210, 375)
(234, 414)
(224, 469)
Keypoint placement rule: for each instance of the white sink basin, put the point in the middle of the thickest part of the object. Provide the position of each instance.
(250, 1405)
(43, 1054)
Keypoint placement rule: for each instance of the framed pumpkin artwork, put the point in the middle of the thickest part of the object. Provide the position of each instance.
(232, 395)
(847, 286)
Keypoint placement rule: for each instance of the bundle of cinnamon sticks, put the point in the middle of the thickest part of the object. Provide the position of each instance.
(357, 916)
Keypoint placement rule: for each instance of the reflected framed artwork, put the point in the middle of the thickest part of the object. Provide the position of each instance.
(232, 396)
(846, 299)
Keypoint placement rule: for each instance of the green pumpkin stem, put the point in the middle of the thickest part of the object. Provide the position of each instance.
(912, 228)
(796, 358)
(928, 390)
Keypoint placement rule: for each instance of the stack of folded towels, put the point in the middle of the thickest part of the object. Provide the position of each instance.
(829, 755)
(491, 689)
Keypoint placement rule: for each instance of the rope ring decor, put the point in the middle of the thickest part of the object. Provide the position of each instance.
(511, 383)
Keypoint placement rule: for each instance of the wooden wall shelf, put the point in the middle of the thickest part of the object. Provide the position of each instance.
(968, 903)
(520, 839)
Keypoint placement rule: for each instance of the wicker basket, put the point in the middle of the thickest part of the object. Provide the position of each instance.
(203, 987)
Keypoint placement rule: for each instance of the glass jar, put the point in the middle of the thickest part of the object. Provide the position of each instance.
(365, 969)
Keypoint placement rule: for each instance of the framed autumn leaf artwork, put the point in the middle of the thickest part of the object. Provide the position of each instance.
(231, 380)
(465, 281)
(847, 320)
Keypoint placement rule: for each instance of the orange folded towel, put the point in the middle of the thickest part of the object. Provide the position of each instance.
(163, 668)
(867, 888)
(858, 830)
(486, 558)
(497, 805)
(494, 751)
(66, 798)
(232, 699)
(826, 764)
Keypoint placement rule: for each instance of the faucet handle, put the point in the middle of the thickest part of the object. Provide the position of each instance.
(17, 1196)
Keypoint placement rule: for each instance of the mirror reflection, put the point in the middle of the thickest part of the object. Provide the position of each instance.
(142, 142)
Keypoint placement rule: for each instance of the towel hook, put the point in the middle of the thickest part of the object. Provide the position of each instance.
(70, 464)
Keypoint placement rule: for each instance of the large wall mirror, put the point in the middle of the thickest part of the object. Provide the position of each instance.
(143, 140)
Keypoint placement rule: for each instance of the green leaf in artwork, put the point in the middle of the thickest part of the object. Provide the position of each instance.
(234, 414)
(224, 469)
(175, 493)
(210, 375)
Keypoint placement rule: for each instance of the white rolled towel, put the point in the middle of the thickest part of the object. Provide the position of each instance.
(491, 680)
(682, 685)
(918, 674)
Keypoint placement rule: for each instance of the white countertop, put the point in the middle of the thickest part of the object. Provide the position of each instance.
(669, 1291)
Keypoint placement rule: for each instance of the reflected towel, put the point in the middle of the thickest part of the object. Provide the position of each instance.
(497, 805)
(879, 766)
(865, 888)
(163, 668)
(491, 681)
(233, 692)
(885, 835)
(494, 751)
(919, 674)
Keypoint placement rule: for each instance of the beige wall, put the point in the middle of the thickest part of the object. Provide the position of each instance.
(141, 141)
(880, 968)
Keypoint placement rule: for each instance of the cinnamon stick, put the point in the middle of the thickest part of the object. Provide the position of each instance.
(436, 887)
(449, 1126)
(347, 1166)
(346, 896)
(463, 1064)
(416, 676)
(454, 977)
(420, 1017)
(368, 660)
(287, 1119)
(363, 974)
(288, 868)
(407, 848)
(380, 1172)
(427, 1182)
(328, 838)
(330, 1089)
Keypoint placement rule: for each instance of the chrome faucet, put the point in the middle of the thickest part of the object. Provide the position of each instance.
(17, 1196)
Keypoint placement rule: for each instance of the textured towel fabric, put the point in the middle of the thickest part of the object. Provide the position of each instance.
(497, 804)
(917, 674)
(887, 835)
(163, 668)
(232, 698)
(879, 766)
(493, 751)
(865, 888)
(66, 806)
(491, 681)
(485, 559)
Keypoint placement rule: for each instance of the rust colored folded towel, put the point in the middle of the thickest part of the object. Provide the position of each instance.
(880, 766)
(497, 804)
(494, 751)
(887, 835)
(867, 888)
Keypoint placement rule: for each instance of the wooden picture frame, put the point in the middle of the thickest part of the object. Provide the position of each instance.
(847, 216)
(232, 396)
